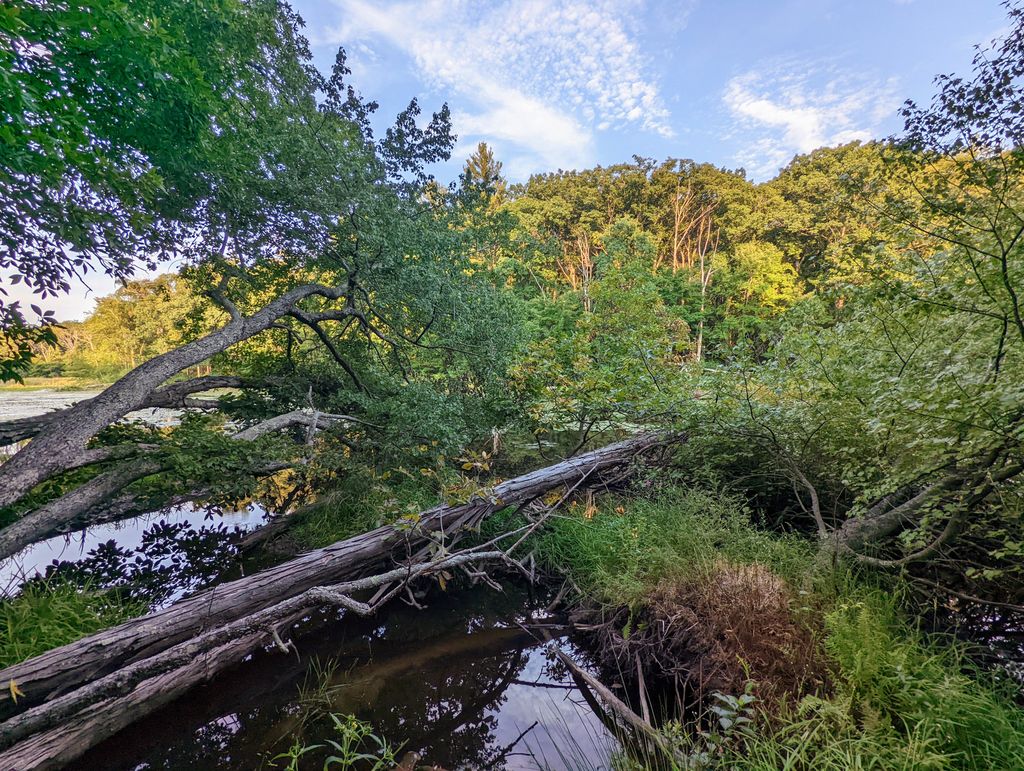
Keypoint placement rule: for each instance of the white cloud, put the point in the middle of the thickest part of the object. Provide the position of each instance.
(537, 77)
(796, 107)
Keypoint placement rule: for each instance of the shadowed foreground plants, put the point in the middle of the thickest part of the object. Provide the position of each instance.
(46, 615)
(356, 746)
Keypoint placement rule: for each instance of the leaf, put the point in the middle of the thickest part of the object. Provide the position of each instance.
(12, 686)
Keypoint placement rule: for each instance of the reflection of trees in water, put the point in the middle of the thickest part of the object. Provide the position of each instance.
(995, 636)
(235, 742)
(449, 710)
(441, 696)
(172, 558)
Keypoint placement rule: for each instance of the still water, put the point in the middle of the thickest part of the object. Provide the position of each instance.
(467, 683)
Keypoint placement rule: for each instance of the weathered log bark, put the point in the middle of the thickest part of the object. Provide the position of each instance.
(64, 669)
(56, 446)
(56, 748)
(108, 704)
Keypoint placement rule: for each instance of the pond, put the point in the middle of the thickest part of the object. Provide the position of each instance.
(466, 683)
(24, 403)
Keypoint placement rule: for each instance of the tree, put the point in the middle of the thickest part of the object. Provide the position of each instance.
(116, 154)
(321, 245)
(483, 171)
(899, 414)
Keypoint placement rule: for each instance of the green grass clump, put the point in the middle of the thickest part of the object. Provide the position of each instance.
(898, 701)
(628, 547)
(358, 504)
(894, 699)
(47, 615)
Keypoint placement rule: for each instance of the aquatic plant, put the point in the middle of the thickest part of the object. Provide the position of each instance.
(355, 746)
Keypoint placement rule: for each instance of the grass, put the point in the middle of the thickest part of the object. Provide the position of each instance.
(628, 547)
(899, 701)
(895, 699)
(357, 505)
(47, 615)
(53, 383)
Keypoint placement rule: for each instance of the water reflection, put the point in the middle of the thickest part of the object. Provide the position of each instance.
(156, 558)
(460, 682)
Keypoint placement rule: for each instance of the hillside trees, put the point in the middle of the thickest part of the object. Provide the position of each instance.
(898, 414)
(140, 320)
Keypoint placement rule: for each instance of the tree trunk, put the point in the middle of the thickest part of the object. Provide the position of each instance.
(57, 444)
(64, 669)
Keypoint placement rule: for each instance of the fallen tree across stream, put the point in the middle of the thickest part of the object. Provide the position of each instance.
(84, 692)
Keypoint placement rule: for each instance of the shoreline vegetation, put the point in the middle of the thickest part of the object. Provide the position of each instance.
(54, 384)
(763, 441)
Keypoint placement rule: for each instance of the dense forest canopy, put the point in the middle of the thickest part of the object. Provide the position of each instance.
(842, 346)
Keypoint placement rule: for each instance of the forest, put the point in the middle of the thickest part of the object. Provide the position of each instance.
(760, 445)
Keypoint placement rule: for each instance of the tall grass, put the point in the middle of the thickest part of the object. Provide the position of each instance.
(46, 615)
(626, 548)
(899, 701)
(895, 698)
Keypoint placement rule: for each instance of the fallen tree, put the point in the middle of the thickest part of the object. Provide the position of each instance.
(222, 624)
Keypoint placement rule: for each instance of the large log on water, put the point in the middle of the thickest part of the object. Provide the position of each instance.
(65, 669)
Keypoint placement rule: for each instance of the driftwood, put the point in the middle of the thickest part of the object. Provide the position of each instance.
(232, 611)
(69, 725)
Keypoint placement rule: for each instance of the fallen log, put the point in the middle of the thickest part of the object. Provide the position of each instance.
(60, 730)
(65, 669)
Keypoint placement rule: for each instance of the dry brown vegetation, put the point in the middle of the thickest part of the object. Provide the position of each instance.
(714, 632)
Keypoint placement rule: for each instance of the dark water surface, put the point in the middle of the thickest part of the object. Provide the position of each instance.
(461, 682)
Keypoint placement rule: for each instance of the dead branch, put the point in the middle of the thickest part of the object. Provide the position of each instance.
(69, 667)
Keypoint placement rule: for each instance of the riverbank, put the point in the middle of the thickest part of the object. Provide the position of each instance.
(749, 653)
(54, 384)
(739, 645)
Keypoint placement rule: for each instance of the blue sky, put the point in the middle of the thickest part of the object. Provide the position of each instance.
(570, 83)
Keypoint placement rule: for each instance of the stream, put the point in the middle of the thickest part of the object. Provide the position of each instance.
(467, 682)
(461, 683)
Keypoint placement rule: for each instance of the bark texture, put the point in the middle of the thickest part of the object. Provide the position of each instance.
(65, 669)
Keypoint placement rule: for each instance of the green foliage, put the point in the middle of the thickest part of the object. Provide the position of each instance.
(894, 699)
(114, 149)
(46, 615)
(19, 341)
(142, 319)
(898, 702)
(620, 553)
(355, 747)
